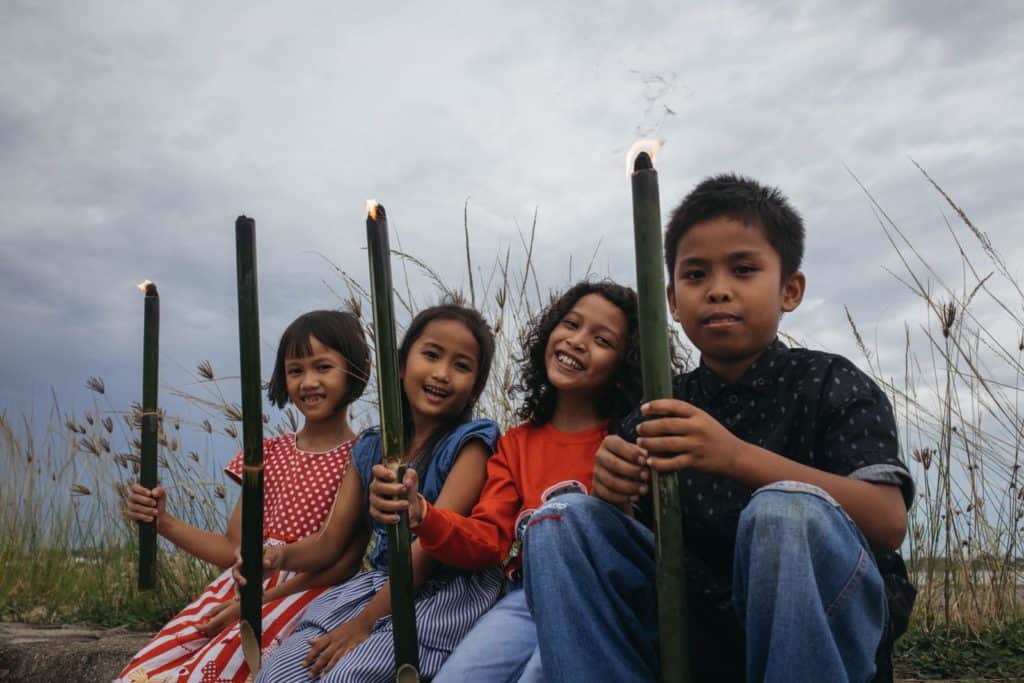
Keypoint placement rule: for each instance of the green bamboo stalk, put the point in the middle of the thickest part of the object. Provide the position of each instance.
(389, 388)
(657, 380)
(150, 427)
(252, 440)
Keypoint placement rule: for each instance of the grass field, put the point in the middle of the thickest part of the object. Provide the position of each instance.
(66, 554)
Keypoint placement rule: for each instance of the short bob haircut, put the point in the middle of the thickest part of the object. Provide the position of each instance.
(338, 330)
(747, 201)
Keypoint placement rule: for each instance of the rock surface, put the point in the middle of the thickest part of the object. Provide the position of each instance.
(48, 654)
(38, 654)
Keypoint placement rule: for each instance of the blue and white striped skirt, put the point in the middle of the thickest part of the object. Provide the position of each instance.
(446, 609)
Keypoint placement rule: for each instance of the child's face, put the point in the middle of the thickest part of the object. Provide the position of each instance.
(440, 370)
(727, 293)
(585, 348)
(318, 382)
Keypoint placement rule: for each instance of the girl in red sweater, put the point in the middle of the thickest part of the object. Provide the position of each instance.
(580, 370)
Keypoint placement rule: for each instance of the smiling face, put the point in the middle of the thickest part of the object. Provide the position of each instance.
(317, 383)
(440, 369)
(728, 293)
(585, 348)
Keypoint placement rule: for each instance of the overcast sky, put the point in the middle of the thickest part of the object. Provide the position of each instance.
(132, 134)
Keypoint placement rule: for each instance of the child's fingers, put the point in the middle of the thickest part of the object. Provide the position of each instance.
(669, 407)
(665, 426)
(390, 505)
(615, 490)
(673, 464)
(411, 480)
(382, 490)
(316, 646)
(671, 445)
(141, 499)
(623, 449)
(613, 462)
(382, 473)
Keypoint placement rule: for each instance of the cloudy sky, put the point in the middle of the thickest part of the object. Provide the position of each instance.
(132, 134)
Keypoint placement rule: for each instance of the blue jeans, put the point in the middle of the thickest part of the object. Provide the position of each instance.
(501, 647)
(805, 588)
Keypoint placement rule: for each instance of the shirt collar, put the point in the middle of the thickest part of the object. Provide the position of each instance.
(756, 377)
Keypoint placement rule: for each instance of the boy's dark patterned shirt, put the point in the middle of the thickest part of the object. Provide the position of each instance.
(812, 407)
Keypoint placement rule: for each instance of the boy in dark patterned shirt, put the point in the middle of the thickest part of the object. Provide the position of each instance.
(794, 497)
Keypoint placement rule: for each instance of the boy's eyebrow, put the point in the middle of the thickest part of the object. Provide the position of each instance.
(732, 256)
(747, 253)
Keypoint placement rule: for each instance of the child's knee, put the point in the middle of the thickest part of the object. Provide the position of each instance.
(568, 510)
(790, 510)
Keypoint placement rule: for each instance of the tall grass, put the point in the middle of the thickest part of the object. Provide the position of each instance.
(67, 554)
(957, 398)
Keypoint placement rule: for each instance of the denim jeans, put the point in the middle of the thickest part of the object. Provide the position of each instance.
(500, 648)
(805, 588)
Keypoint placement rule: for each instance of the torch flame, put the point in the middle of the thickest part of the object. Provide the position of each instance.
(648, 145)
(371, 208)
(144, 285)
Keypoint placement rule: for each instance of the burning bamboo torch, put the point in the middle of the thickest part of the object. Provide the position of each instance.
(150, 426)
(389, 388)
(252, 439)
(657, 379)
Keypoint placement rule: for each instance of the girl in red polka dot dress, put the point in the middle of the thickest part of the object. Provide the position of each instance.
(322, 366)
(346, 634)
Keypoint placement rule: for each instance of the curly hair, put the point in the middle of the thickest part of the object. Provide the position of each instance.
(539, 395)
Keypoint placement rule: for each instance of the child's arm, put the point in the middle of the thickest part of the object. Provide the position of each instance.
(226, 614)
(319, 551)
(479, 541)
(461, 490)
(149, 505)
(700, 442)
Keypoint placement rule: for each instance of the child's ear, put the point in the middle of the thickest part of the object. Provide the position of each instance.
(793, 291)
(670, 293)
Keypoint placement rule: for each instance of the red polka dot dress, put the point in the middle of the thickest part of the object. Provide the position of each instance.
(298, 490)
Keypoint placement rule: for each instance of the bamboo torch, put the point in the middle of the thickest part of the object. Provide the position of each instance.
(252, 439)
(150, 427)
(389, 390)
(657, 380)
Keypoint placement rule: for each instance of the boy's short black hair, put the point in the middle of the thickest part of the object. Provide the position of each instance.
(338, 330)
(748, 201)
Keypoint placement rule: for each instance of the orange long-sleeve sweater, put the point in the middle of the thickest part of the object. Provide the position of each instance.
(530, 465)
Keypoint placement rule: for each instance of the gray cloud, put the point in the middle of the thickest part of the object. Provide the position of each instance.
(133, 136)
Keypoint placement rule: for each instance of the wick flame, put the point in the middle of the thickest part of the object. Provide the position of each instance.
(649, 145)
(371, 208)
(144, 285)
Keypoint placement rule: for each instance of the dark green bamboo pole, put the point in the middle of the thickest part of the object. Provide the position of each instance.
(252, 440)
(657, 378)
(150, 427)
(389, 388)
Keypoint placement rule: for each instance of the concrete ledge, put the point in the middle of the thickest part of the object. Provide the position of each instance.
(44, 654)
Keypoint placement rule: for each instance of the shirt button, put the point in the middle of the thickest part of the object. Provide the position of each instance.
(734, 399)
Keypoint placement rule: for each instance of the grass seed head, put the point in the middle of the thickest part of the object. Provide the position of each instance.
(96, 384)
(205, 370)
